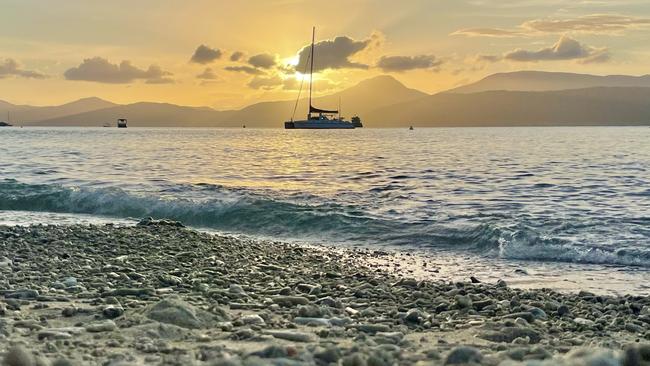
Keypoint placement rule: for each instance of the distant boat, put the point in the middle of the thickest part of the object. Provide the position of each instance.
(321, 118)
(243, 126)
(6, 124)
(121, 123)
(411, 128)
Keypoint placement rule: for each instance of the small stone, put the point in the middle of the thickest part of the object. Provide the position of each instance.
(502, 284)
(474, 279)
(291, 335)
(463, 355)
(463, 302)
(330, 354)
(69, 311)
(69, 282)
(19, 356)
(290, 300)
(113, 311)
(22, 294)
(103, 326)
(310, 311)
(562, 310)
(253, 319)
(585, 322)
(414, 316)
(236, 289)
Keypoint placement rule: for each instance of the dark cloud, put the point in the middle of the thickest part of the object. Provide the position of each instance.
(334, 54)
(245, 69)
(266, 83)
(236, 56)
(565, 49)
(489, 58)
(406, 63)
(263, 61)
(102, 71)
(11, 68)
(207, 74)
(205, 55)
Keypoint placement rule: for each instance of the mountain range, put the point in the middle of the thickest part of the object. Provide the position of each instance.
(522, 98)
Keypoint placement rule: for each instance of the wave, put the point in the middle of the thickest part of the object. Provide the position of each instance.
(241, 211)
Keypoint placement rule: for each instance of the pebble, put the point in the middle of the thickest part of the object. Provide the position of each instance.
(463, 355)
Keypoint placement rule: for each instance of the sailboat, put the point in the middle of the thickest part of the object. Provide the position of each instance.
(319, 118)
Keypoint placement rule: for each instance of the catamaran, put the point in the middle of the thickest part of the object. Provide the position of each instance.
(319, 118)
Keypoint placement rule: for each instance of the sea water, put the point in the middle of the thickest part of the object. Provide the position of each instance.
(572, 200)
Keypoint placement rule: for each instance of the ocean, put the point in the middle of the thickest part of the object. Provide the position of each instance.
(550, 200)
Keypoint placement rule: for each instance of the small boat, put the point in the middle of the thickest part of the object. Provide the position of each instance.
(244, 126)
(6, 124)
(411, 128)
(121, 123)
(319, 119)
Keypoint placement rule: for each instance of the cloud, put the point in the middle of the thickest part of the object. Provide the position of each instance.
(263, 61)
(406, 63)
(102, 71)
(266, 83)
(565, 49)
(205, 55)
(334, 54)
(236, 56)
(488, 32)
(245, 69)
(207, 74)
(11, 68)
(593, 24)
(489, 58)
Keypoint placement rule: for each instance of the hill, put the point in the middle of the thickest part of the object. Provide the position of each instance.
(547, 81)
(362, 98)
(24, 114)
(574, 107)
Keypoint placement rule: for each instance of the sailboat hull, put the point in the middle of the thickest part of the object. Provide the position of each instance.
(319, 125)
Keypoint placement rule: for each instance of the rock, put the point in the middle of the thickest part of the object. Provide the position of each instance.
(329, 301)
(529, 317)
(22, 294)
(19, 356)
(290, 300)
(538, 313)
(272, 351)
(102, 326)
(290, 335)
(312, 321)
(310, 311)
(463, 355)
(173, 310)
(585, 322)
(474, 279)
(330, 354)
(148, 221)
(170, 280)
(113, 311)
(562, 310)
(236, 289)
(252, 319)
(414, 316)
(636, 355)
(53, 334)
(355, 359)
(509, 334)
(463, 302)
(372, 328)
(69, 282)
(130, 292)
(69, 311)
(502, 284)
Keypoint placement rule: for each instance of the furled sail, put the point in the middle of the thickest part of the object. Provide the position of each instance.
(313, 109)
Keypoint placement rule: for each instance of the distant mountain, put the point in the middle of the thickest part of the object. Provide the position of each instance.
(574, 107)
(362, 98)
(28, 114)
(546, 81)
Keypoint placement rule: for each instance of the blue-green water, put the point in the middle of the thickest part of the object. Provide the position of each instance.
(546, 194)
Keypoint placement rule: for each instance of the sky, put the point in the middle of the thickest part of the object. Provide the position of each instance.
(228, 54)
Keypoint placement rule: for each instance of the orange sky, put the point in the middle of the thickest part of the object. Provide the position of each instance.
(128, 51)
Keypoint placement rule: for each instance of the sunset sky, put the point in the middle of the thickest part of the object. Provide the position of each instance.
(226, 54)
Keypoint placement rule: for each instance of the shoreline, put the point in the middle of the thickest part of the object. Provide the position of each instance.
(159, 293)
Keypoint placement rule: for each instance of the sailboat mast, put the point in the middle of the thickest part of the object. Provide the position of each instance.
(311, 67)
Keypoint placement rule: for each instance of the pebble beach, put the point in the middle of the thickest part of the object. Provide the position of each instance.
(163, 294)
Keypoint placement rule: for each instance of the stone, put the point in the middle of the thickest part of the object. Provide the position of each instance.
(69, 282)
(463, 355)
(414, 316)
(509, 334)
(310, 311)
(330, 354)
(502, 284)
(130, 292)
(474, 279)
(463, 302)
(290, 335)
(252, 319)
(289, 301)
(101, 326)
(173, 310)
(584, 322)
(19, 356)
(22, 294)
(113, 311)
